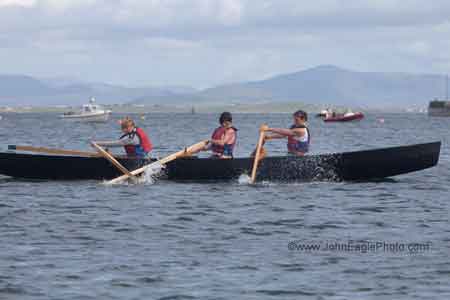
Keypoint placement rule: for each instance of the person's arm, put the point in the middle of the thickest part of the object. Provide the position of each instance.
(288, 132)
(274, 136)
(119, 143)
(110, 144)
(229, 137)
(282, 131)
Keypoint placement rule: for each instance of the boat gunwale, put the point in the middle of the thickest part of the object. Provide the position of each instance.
(125, 157)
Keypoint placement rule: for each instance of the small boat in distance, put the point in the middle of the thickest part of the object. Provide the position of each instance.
(440, 108)
(346, 117)
(90, 112)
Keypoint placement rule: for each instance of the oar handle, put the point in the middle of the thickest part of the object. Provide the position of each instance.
(110, 158)
(262, 131)
(52, 151)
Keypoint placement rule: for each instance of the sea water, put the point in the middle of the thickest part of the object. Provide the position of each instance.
(225, 240)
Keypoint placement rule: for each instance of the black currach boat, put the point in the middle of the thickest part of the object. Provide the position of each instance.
(348, 166)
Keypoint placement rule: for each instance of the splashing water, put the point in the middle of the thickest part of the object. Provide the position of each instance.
(151, 173)
(244, 179)
(148, 177)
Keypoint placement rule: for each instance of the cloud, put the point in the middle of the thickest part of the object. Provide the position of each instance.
(206, 42)
(182, 17)
(58, 7)
(23, 3)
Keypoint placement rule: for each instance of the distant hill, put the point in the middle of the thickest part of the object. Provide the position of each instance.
(21, 86)
(25, 90)
(333, 85)
(322, 85)
(326, 85)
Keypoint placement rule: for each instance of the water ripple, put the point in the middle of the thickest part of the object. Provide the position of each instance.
(83, 240)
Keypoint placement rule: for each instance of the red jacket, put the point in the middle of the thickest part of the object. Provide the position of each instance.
(144, 146)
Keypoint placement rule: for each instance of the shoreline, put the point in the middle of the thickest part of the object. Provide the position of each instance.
(265, 108)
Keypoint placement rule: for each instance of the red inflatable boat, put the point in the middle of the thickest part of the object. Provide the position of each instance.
(345, 117)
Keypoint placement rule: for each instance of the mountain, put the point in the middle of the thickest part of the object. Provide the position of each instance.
(17, 85)
(333, 85)
(324, 85)
(25, 90)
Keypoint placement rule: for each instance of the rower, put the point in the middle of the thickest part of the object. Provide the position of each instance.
(224, 137)
(134, 140)
(298, 134)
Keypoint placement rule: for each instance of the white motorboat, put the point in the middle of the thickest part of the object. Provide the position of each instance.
(89, 113)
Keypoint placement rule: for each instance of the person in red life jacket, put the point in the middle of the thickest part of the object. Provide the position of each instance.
(298, 136)
(224, 137)
(134, 140)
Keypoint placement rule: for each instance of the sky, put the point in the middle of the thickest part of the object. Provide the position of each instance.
(203, 43)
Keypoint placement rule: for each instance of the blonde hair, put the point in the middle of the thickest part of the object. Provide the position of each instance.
(127, 122)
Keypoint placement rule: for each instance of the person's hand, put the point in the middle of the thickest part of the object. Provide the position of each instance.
(207, 146)
(186, 153)
(263, 128)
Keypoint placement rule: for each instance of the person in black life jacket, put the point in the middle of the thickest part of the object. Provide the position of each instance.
(134, 140)
(298, 136)
(224, 137)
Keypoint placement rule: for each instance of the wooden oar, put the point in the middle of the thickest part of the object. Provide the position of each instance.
(262, 132)
(114, 161)
(52, 151)
(189, 150)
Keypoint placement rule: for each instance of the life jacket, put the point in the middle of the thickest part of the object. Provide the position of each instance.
(297, 144)
(144, 146)
(227, 149)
